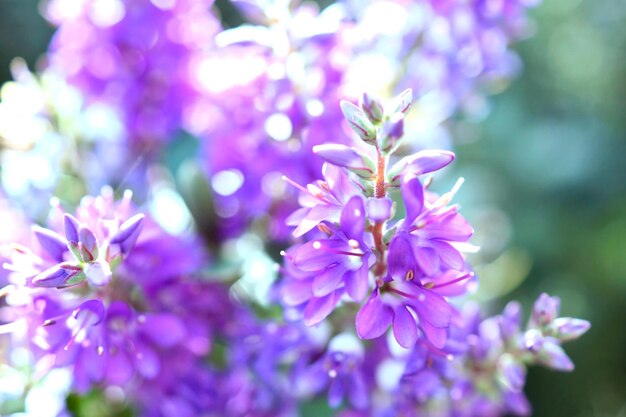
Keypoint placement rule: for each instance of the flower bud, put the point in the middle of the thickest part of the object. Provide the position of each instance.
(129, 231)
(420, 163)
(517, 403)
(62, 275)
(510, 320)
(391, 133)
(51, 242)
(54, 277)
(379, 209)
(372, 108)
(88, 244)
(98, 273)
(511, 372)
(347, 157)
(545, 310)
(567, 328)
(552, 355)
(403, 101)
(71, 228)
(358, 121)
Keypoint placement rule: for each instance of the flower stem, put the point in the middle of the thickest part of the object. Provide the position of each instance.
(381, 187)
(378, 230)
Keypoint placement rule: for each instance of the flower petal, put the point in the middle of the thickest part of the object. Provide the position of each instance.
(400, 258)
(165, 330)
(436, 336)
(336, 391)
(146, 360)
(427, 259)
(357, 282)
(315, 216)
(119, 369)
(358, 392)
(431, 307)
(295, 292)
(319, 308)
(71, 225)
(319, 254)
(353, 218)
(374, 318)
(328, 280)
(452, 227)
(448, 254)
(404, 327)
(413, 197)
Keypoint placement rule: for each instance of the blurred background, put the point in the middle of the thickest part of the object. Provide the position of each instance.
(546, 189)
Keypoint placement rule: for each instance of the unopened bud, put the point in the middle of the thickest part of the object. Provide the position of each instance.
(379, 209)
(567, 328)
(391, 133)
(98, 273)
(71, 228)
(358, 121)
(403, 101)
(553, 356)
(372, 108)
(346, 157)
(88, 244)
(54, 277)
(511, 372)
(545, 310)
(51, 242)
(422, 162)
(127, 235)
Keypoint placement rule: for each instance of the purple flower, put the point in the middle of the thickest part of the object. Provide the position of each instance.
(398, 306)
(109, 344)
(339, 371)
(323, 200)
(430, 229)
(423, 266)
(81, 255)
(340, 262)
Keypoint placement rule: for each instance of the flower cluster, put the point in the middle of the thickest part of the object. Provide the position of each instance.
(482, 368)
(78, 298)
(403, 270)
(407, 265)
